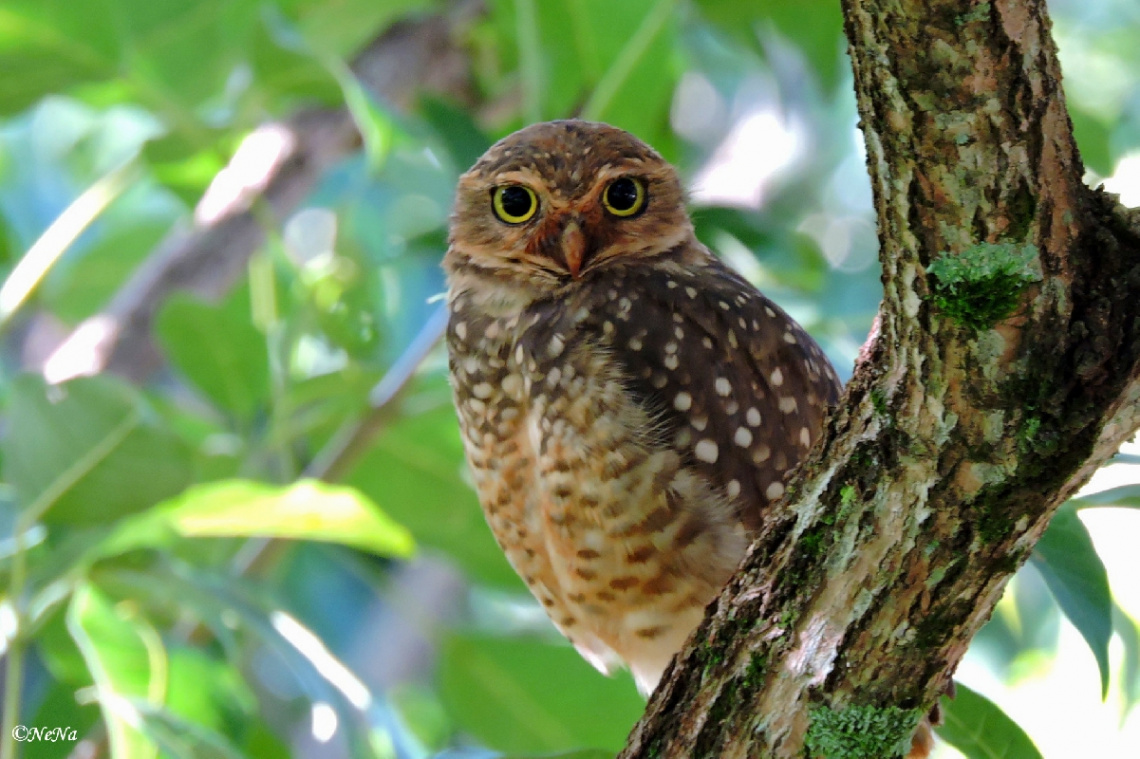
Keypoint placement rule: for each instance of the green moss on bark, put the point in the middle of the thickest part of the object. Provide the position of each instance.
(982, 285)
(860, 732)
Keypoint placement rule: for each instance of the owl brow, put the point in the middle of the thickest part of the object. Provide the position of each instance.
(523, 175)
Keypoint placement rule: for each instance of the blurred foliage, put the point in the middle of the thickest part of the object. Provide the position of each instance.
(174, 584)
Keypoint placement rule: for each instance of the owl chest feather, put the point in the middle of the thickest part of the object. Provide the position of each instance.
(613, 532)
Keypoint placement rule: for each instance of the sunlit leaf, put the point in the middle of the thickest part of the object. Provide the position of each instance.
(981, 730)
(1068, 561)
(126, 662)
(305, 510)
(500, 689)
(87, 451)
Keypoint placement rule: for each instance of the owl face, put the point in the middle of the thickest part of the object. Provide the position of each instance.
(560, 202)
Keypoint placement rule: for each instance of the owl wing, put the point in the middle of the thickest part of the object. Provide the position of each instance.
(738, 388)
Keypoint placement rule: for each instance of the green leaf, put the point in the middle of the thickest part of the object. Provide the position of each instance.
(172, 55)
(500, 690)
(1125, 495)
(126, 661)
(815, 26)
(87, 452)
(60, 708)
(981, 730)
(343, 27)
(605, 60)
(234, 611)
(632, 45)
(458, 131)
(1094, 138)
(209, 692)
(1129, 634)
(218, 349)
(182, 739)
(307, 510)
(416, 468)
(1068, 561)
(57, 650)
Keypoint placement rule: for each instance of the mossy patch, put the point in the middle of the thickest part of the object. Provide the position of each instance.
(755, 672)
(879, 401)
(860, 732)
(994, 519)
(983, 284)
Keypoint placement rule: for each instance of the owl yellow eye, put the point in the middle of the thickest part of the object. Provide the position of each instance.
(514, 203)
(624, 197)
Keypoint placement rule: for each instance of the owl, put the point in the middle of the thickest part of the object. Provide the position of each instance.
(629, 404)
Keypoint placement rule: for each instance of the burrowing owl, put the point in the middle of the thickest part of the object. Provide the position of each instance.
(629, 404)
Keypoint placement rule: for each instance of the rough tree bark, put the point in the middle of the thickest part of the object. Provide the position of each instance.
(1006, 371)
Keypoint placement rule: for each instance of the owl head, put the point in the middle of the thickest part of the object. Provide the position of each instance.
(562, 202)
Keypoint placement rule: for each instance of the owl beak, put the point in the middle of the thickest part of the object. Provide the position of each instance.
(573, 247)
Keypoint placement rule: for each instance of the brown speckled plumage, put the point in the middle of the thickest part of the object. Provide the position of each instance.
(629, 404)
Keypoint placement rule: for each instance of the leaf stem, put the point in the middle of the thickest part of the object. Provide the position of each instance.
(530, 58)
(58, 238)
(630, 55)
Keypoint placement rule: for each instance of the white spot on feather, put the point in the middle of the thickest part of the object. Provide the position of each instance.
(706, 450)
(743, 437)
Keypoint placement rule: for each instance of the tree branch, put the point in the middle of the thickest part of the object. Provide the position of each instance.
(1006, 370)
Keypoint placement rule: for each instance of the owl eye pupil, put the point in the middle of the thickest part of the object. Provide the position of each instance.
(516, 201)
(622, 195)
(625, 197)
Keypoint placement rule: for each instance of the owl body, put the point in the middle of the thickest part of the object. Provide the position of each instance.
(628, 404)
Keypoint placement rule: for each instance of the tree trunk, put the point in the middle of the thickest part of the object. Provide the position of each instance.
(1005, 372)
